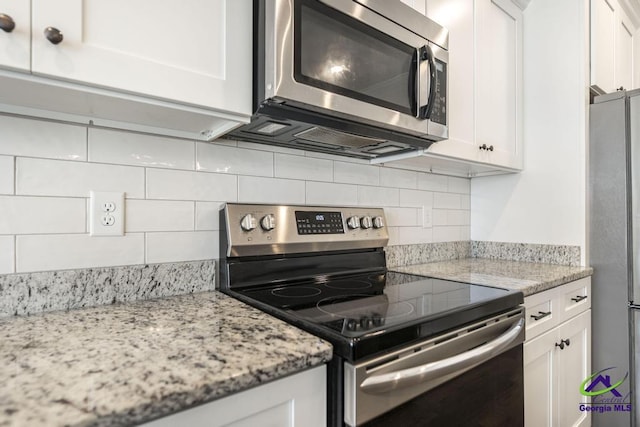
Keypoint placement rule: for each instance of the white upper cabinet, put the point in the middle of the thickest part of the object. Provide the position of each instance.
(15, 34)
(485, 87)
(189, 51)
(613, 35)
(185, 66)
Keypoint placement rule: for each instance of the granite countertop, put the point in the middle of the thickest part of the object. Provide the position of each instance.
(129, 363)
(528, 277)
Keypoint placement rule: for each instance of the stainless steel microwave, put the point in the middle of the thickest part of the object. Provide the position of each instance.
(360, 78)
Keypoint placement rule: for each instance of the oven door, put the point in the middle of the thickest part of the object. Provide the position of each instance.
(471, 376)
(340, 58)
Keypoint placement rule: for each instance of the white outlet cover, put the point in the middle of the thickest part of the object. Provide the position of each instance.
(427, 217)
(106, 213)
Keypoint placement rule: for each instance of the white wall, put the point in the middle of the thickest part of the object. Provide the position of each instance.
(174, 189)
(546, 202)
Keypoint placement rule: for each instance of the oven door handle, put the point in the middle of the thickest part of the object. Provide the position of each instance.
(411, 376)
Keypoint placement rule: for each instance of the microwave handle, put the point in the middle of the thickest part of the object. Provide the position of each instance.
(425, 53)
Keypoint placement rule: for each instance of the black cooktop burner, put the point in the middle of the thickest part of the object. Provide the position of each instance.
(378, 307)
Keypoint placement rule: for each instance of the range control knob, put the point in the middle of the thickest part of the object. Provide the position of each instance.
(353, 222)
(366, 222)
(268, 222)
(248, 222)
(378, 222)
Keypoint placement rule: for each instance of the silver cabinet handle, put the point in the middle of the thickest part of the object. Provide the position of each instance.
(411, 376)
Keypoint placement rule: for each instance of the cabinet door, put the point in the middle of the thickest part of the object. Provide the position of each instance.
(624, 52)
(498, 80)
(294, 401)
(15, 46)
(603, 18)
(574, 365)
(539, 372)
(194, 52)
(457, 17)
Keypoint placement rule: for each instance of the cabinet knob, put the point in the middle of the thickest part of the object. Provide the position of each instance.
(485, 148)
(53, 35)
(6, 23)
(563, 343)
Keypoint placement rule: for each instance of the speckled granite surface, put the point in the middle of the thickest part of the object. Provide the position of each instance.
(30, 293)
(527, 252)
(128, 363)
(427, 252)
(527, 277)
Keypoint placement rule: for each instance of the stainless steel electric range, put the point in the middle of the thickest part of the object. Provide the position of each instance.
(407, 349)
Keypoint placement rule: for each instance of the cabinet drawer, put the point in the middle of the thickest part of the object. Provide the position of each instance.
(542, 313)
(548, 309)
(575, 298)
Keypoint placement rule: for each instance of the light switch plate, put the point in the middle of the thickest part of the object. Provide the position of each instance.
(427, 217)
(106, 213)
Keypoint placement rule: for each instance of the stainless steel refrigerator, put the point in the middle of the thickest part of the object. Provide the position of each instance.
(614, 253)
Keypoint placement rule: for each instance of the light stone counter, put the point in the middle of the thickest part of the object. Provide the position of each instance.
(129, 363)
(528, 277)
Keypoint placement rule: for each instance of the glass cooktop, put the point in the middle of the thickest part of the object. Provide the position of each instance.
(375, 307)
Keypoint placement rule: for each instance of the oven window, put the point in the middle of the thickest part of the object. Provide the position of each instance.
(491, 394)
(337, 53)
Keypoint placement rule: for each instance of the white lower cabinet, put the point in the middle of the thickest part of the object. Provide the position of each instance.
(298, 400)
(557, 358)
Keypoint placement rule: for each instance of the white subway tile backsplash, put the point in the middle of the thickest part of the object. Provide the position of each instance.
(175, 188)
(399, 178)
(352, 173)
(270, 190)
(447, 234)
(36, 138)
(300, 167)
(67, 251)
(447, 201)
(458, 217)
(265, 147)
(231, 160)
(440, 217)
(7, 254)
(184, 185)
(159, 215)
(7, 172)
(185, 246)
(416, 198)
(378, 196)
(208, 215)
(414, 235)
(40, 215)
(459, 185)
(326, 193)
(402, 217)
(431, 182)
(39, 177)
(465, 203)
(127, 148)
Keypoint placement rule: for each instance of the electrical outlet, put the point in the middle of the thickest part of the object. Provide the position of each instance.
(106, 213)
(427, 217)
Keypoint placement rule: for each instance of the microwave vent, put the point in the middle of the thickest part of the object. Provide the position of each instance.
(332, 137)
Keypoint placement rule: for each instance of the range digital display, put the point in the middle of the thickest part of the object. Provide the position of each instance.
(319, 222)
